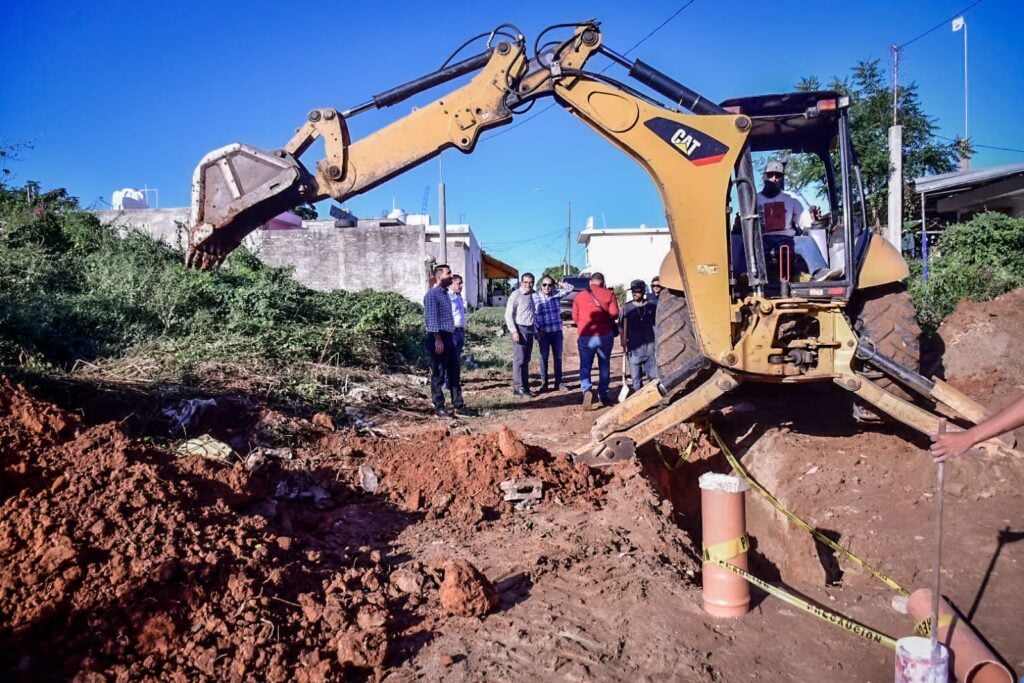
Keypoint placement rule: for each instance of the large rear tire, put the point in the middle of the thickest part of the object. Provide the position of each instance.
(885, 315)
(675, 341)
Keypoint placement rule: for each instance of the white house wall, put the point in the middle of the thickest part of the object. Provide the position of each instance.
(626, 257)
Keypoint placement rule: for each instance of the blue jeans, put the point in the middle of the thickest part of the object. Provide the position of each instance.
(641, 361)
(802, 245)
(550, 343)
(602, 348)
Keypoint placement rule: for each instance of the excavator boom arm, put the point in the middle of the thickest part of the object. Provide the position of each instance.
(238, 188)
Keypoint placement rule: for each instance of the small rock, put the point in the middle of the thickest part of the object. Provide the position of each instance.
(414, 501)
(324, 421)
(408, 581)
(368, 479)
(465, 591)
(445, 660)
(440, 502)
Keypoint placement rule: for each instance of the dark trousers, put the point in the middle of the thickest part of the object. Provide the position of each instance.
(460, 343)
(550, 343)
(521, 353)
(444, 367)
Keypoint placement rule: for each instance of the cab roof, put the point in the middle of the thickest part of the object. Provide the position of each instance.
(796, 121)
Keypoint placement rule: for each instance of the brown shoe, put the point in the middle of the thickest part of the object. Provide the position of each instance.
(588, 398)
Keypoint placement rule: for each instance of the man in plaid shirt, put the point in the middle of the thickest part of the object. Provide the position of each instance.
(547, 304)
(440, 343)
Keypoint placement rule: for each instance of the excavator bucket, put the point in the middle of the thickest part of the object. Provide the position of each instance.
(236, 189)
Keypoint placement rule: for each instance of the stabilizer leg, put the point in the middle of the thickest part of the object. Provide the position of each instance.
(909, 414)
(621, 445)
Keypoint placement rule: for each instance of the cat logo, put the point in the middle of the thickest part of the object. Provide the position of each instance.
(707, 269)
(685, 142)
(699, 148)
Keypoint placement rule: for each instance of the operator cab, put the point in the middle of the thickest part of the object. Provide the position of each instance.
(815, 125)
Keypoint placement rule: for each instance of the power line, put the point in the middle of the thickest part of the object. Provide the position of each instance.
(940, 24)
(975, 144)
(664, 24)
(635, 46)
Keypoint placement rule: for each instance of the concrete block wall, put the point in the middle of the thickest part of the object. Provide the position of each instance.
(324, 257)
(377, 254)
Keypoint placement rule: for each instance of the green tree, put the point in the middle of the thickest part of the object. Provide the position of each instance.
(871, 116)
(556, 272)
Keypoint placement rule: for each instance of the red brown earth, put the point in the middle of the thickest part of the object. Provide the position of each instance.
(121, 560)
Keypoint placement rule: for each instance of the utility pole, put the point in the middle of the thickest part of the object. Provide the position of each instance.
(894, 229)
(442, 218)
(568, 243)
(567, 266)
(895, 81)
(960, 23)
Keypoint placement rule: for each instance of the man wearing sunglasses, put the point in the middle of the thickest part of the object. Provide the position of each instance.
(781, 214)
(655, 290)
(546, 304)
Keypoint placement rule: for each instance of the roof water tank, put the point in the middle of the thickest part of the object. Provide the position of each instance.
(129, 198)
(397, 214)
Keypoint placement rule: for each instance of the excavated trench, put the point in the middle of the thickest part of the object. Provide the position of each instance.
(675, 462)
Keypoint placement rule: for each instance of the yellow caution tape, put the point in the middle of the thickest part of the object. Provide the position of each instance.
(924, 629)
(856, 628)
(818, 536)
(726, 550)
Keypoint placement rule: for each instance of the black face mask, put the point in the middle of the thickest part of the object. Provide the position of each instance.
(771, 188)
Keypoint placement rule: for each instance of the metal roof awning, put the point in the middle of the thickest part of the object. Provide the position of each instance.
(498, 270)
(984, 188)
(950, 183)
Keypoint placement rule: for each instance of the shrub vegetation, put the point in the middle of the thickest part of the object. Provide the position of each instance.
(74, 290)
(977, 260)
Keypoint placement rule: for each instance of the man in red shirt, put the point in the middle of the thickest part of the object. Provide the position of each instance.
(595, 310)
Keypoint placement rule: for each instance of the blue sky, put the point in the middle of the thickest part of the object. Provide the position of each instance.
(117, 94)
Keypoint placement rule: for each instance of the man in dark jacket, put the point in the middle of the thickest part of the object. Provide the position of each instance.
(595, 311)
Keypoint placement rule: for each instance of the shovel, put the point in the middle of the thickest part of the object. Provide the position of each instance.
(624, 391)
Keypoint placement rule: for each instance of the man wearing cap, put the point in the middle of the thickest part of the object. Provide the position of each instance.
(595, 312)
(636, 325)
(781, 217)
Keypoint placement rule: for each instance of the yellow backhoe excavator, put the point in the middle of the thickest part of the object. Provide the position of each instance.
(730, 314)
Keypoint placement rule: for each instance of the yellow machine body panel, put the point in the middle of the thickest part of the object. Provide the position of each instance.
(690, 158)
(883, 264)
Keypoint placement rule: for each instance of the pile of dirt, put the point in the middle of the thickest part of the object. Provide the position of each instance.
(132, 561)
(438, 471)
(984, 349)
(135, 561)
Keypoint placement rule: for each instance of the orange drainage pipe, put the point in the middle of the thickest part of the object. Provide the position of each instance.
(973, 662)
(724, 527)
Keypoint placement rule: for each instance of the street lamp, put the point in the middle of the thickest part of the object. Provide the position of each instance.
(960, 23)
(568, 236)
